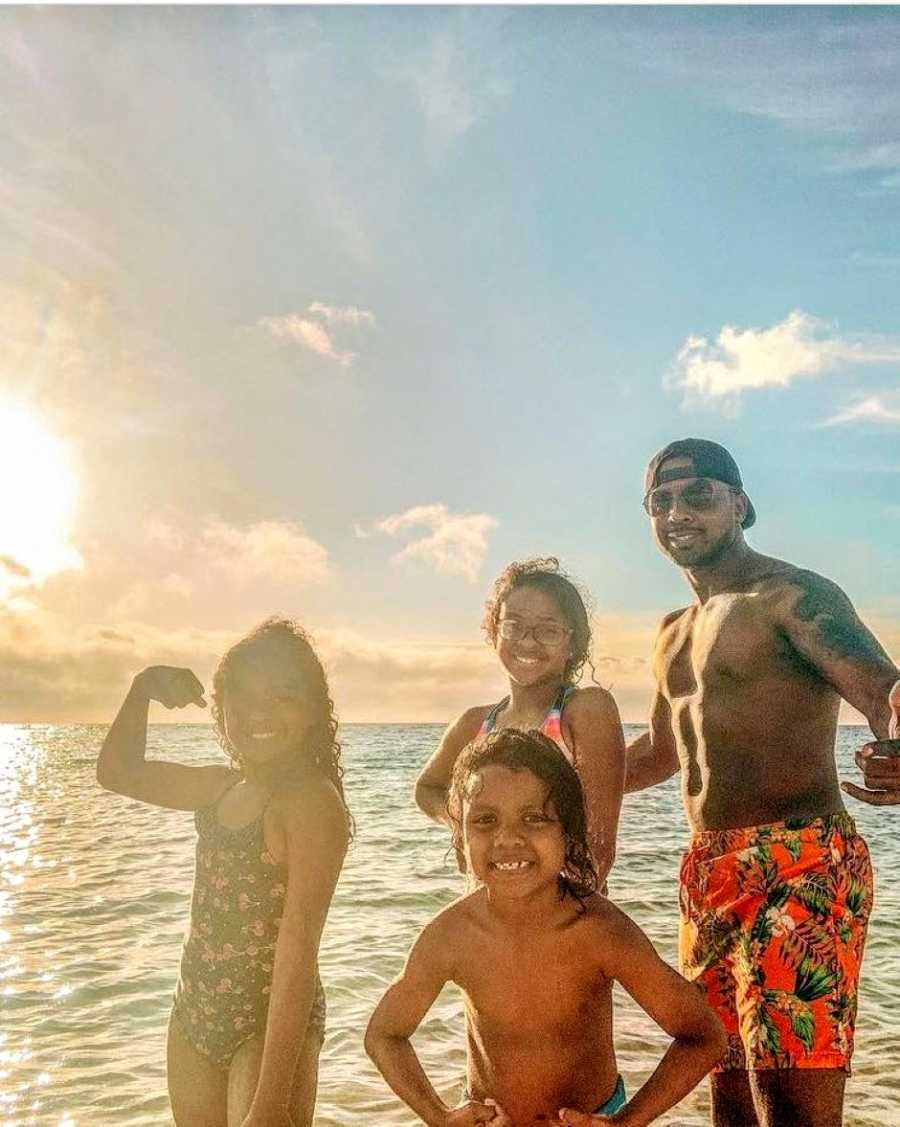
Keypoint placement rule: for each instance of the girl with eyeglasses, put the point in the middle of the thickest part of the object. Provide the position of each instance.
(538, 624)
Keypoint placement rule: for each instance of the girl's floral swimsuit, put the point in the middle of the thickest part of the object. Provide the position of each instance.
(222, 996)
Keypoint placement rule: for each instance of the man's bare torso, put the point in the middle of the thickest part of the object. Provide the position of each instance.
(754, 723)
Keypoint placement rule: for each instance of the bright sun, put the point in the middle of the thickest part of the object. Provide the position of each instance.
(37, 501)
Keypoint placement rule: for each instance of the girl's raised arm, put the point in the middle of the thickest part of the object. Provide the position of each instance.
(122, 766)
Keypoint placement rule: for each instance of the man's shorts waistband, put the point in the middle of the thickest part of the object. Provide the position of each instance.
(791, 829)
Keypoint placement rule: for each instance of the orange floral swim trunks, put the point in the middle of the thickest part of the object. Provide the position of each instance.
(773, 924)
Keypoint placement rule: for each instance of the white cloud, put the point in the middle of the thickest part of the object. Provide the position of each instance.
(443, 96)
(876, 261)
(347, 314)
(799, 347)
(53, 670)
(380, 679)
(309, 329)
(179, 585)
(311, 334)
(462, 74)
(377, 679)
(180, 553)
(872, 409)
(835, 81)
(146, 597)
(160, 530)
(878, 157)
(456, 544)
(274, 549)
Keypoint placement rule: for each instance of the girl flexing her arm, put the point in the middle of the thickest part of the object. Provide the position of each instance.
(537, 623)
(248, 1019)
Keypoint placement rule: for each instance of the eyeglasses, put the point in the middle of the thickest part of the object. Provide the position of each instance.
(544, 633)
(700, 495)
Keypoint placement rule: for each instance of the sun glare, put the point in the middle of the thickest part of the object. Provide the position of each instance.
(37, 501)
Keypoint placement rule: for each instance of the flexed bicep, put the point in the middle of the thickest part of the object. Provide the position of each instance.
(122, 766)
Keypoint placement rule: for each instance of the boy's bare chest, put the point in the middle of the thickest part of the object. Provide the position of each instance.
(531, 987)
(731, 638)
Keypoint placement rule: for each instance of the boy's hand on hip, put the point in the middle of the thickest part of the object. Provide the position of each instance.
(473, 1111)
(501, 1119)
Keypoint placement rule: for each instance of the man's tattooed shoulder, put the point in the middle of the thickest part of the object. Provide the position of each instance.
(822, 605)
(817, 595)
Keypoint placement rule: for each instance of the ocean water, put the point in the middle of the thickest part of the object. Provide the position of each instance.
(94, 898)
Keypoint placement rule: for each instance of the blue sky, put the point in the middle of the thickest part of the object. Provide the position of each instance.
(336, 311)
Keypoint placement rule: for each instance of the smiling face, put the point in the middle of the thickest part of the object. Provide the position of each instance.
(695, 519)
(513, 838)
(265, 710)
(527, 660)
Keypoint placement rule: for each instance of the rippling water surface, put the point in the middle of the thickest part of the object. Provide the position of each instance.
(94, 897)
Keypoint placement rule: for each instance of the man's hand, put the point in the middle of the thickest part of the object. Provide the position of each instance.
(894, 702)
(881, 772)
(472, 1111)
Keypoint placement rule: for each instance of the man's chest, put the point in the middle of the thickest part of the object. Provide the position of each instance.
(730, 638)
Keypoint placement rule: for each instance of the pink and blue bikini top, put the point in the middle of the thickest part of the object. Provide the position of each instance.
(552, 726)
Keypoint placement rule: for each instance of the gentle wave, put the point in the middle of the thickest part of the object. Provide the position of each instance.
(94, 899)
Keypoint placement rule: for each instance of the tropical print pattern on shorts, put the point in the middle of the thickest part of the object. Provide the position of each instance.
(773, 924)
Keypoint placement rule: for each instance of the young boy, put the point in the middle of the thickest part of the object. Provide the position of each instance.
(535, 953)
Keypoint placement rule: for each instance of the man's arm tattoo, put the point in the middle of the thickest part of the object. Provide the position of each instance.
(825, 606)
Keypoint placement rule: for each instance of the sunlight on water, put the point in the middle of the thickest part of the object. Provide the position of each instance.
(94, 896)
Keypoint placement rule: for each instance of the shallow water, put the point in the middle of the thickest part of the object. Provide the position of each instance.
(94, 896)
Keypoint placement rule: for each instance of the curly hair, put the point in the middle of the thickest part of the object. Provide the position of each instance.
(321, 749)
(545, 574)
(531, 751)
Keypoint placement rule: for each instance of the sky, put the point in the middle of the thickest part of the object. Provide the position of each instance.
(334, 312)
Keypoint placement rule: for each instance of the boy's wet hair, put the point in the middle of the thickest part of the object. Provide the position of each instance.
(545, 574)
(321, 749)
(531, 751)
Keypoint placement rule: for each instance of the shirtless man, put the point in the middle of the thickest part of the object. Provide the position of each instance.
(776, 885)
